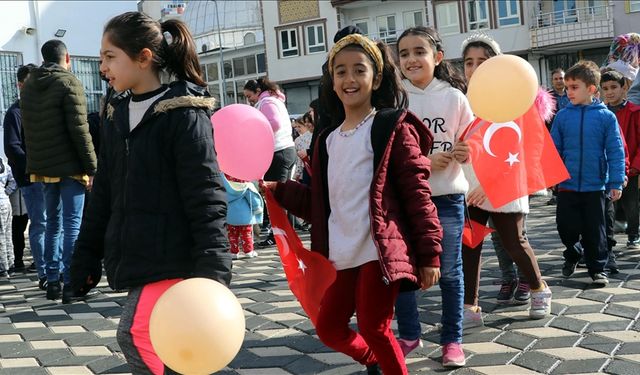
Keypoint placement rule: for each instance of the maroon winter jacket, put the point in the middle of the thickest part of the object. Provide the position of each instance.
(404, 220)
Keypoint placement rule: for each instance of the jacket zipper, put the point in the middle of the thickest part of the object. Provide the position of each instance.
(581, 148)
(124, 206)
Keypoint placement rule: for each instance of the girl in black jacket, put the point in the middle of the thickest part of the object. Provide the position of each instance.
(158, 206)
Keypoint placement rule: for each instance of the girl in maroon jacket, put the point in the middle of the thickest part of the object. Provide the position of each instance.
(369, 204)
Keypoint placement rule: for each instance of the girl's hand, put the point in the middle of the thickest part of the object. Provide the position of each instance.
(461, 151)
(429, 276)
(477, 197)
(440, 160)
(302, 154)
(267, 185)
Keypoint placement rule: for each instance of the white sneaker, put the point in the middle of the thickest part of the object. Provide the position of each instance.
(472, 317)
(235, 256)
(251, 254)
(540, 303)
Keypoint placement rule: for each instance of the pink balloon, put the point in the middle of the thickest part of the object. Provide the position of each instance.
(243, 140)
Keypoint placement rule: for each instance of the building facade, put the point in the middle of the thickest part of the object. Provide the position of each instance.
(27, 25)
(230, 41)
(298, 34)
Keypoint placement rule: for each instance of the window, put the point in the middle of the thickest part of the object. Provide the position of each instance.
(87, 70)
(447, 18)
(228, 71)
(288, 43)
(240, 92)
(214, 91)
(413, 19)
(597, 9)
(315, 39)
(477, 14)
(262, 64)
(363, 25)
(9, 63)
(212, 71)
(238, 66)
(251, 64)
(249, 39)
(564, 11)
(634, 5)
(387, 28)
(508, 12)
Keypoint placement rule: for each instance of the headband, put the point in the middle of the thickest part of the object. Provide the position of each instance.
(482, 38)
(367, 44)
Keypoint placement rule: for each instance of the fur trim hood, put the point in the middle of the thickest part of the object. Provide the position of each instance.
(181, 94)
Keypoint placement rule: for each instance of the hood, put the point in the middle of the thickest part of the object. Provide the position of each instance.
(434, 86)
(47, 74)
(181, 94)
(278, 95)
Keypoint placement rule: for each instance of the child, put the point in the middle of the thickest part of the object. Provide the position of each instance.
(369, 203)
(436, 95)
(304, 127)
(244, 210)
(157, 209)
(587, 137)
(19, 223)
(509, 221)
(628, 115)
(7, 187)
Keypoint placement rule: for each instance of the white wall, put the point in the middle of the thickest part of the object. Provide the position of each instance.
(297, 68)
(83, 21)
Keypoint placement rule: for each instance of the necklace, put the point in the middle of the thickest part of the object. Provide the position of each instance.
(350, 132)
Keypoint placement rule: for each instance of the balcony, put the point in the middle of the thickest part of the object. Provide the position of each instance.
(571, 26)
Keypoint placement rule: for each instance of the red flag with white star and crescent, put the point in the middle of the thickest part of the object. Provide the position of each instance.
(514, 159)
(309, 274)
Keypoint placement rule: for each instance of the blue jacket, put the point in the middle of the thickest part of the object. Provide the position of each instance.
(588, 140)
(244, 203)
(14, 146)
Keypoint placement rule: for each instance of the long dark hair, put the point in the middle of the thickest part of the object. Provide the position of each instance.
(264, 84)
(444, 71)
(170, 42)
(390, 94)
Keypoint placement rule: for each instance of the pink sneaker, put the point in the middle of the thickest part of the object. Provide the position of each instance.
(452, 355)
(407, 346)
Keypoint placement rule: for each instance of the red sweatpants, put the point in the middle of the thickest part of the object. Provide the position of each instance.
(361, 290)
(240, 236)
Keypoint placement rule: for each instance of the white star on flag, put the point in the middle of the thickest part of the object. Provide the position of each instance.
(512, 159)
(301, 265)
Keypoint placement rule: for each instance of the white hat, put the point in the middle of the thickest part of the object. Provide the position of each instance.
(627, 70)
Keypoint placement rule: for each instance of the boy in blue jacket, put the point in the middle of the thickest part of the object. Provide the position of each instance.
(588, 139)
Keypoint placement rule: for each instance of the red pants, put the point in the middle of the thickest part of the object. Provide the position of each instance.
(362, 291)
(240, 236)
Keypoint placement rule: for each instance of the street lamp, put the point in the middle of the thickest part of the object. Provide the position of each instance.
(223, 92)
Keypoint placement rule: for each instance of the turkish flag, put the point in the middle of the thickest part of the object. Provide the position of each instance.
(514, 159)
(474, 233)
(309, 273)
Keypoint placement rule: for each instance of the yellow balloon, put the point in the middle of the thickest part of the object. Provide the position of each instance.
(197, 326)
(502, 88)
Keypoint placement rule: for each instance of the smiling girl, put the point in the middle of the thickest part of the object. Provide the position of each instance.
(369, 203)
(435, 95)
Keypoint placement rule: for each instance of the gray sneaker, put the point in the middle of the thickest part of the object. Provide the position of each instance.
(600, 279)
(472, 318)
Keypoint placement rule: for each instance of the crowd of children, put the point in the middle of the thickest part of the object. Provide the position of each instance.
(386, 186)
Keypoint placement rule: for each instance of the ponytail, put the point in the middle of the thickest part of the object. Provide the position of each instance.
(171, 44)
(180, 56)
(444, 71)
(264, 84)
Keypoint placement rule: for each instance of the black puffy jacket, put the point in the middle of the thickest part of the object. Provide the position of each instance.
(158, 206)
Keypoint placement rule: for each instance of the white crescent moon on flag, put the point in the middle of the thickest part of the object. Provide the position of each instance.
(486, 140)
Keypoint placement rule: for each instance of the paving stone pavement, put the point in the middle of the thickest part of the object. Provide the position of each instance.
(590, 330)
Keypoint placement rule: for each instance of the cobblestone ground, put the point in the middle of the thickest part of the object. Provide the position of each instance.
(590, 330)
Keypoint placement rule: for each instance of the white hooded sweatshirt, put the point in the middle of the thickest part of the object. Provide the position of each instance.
(446, 112)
